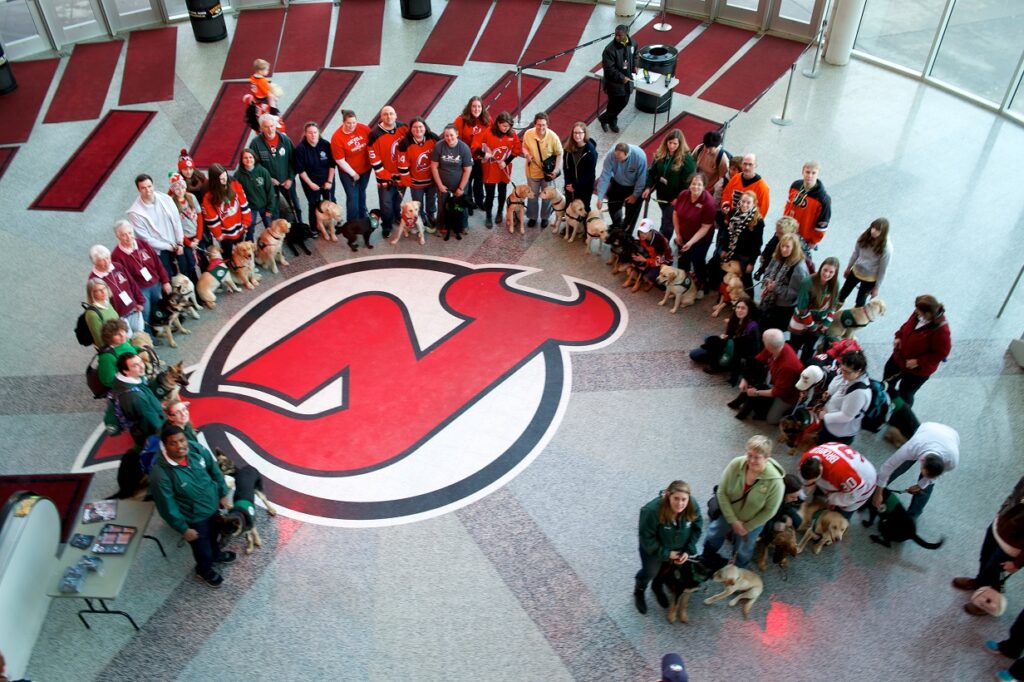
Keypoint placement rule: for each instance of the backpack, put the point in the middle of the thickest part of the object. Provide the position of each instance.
(718, 159)
(125, 424)
(92, 374)
(82, 331)
(877, 412)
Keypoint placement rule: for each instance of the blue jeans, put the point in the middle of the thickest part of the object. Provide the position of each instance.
(649, 567)
(355, 195)
(918, 500)
(152, 294)
(427, 197)
(134, 322)
(744, 546)
(205, 547)
(990, 562)
(537, 208)
(390, 201)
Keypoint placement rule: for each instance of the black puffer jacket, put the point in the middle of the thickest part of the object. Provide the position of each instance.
(619, 62)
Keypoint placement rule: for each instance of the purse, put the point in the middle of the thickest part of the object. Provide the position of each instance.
(725, 360)
(547, 165)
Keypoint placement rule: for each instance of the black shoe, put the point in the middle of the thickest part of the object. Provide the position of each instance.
(736, 402)
(614, 127)
(385, 233)
(659, 594)
(638, 599)
(447, 235)
(212, 579)
(458, 235)
(225, 557)
(531, 222)
(488, 221)
(744, 411)
(604, 126)
(543, 223)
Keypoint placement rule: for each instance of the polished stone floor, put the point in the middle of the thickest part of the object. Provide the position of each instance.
(533, 581)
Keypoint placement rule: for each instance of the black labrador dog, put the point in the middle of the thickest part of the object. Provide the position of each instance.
(895, 524)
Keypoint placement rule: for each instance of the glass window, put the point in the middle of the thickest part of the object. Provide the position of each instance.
(797, 10)
(16, 22)
(981, 47)
(900, 32)
(1017, 105)
(175, 8)
(743, 4)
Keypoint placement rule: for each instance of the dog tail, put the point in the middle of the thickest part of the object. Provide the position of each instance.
(926, 544)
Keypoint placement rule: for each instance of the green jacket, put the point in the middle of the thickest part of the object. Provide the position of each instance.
(659, 539)
(94, 320)
(106, 365)
(141, 406)
(675, 180)
(761, 502)
(282, 164)
(187, 494)
(259, 190)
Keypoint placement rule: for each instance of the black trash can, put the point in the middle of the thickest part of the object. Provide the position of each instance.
(7, 82)
(207, 19)
(656, 59)
(415, 9)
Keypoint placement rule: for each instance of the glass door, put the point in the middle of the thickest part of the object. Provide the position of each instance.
(125, 15)
(72, 21)
(797, 19)
(700, 9)
(22, 30)
(749, 14)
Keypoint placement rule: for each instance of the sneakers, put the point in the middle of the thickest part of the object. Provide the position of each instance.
(965, 584)
(212, 579)
(225, 557)
(992, 646)
(1005, 676)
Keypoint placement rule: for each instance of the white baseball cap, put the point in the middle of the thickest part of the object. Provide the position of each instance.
(809, 377)
(646, 225)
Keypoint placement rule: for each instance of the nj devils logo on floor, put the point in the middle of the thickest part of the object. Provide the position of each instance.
(386, 390)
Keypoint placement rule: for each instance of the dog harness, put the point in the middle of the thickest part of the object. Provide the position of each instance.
(590, 220)
(684, 280)
(847, 319)
(267, 244)
(218, 268)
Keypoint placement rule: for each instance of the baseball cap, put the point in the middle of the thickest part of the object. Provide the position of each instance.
(672, 668)
(809, 377)
(646, 225)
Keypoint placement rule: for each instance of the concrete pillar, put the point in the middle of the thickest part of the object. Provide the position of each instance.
(842, 31)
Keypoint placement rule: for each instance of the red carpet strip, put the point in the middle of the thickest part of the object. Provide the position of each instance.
(454, 33)
(149, 66)
(693, 128)
(579, 104)
(681, 27)
(86, 80)
(508, 98)
(256, 36)
(20, 109)
(761, 66)
(419, 94)
(80, 179)
(560, 29)
(506, 32)
(6, 156)
(357, 35)
(224, 131)
(304, 41)
(321, 98)
(706, 54)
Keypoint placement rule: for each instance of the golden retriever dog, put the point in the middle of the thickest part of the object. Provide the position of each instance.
(269, 251)
(558, 205)
(827, 528)
(847, 322)
(677, 283)
(409, 223)
(243, 265)
(216, 274)
(741, 582)
(731, 289)
(515, 207)
(597, 231)
(328, 215)
(575, 219)
(782, 546)
(186, 291)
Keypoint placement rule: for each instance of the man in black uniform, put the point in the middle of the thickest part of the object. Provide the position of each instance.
(619, 62)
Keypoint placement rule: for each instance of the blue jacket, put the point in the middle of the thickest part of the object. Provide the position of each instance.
(314, 161)
(629, 173)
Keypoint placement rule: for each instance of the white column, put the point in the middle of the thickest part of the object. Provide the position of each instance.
(842, 31)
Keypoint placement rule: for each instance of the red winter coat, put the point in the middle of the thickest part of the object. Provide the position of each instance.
(929, 345)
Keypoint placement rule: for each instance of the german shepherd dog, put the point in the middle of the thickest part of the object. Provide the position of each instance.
(623, 246)
(682, 580)
(895, 524)
(165, 317)
(241, 518)
(169, 381)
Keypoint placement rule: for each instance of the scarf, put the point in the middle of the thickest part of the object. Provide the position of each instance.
(737, 223)
(778, 272)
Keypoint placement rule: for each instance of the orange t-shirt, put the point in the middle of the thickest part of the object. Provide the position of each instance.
(352, 147)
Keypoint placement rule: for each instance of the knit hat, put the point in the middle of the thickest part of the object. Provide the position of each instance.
(673, 669)
(185, 161)
(175, 179)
